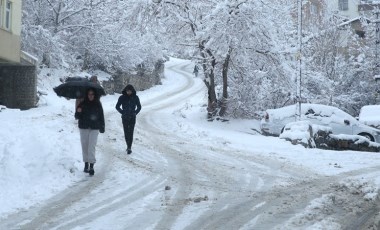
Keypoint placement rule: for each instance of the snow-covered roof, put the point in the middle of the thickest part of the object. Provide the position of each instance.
(322, 110)
(360, 18)
(370, 115)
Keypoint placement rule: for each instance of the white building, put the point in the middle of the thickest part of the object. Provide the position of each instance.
(18, 80)
(10, 30)
(353, 8)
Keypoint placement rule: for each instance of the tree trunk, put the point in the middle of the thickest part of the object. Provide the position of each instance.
(224, 100)
(210, 84)
(57, 15)
(86, 60)
(212, 101)
(209, 80)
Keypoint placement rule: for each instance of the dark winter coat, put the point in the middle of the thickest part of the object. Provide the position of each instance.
(92, 116)
(128, 106)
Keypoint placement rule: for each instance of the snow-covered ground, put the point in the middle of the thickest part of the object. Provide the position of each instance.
(184, 172)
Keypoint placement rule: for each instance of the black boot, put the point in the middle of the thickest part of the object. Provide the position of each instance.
(85, 167)
(129, 151)
(91, 171)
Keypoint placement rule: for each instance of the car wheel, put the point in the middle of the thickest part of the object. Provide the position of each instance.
(367, 135)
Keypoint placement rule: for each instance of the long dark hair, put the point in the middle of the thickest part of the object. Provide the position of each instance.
(96, 96)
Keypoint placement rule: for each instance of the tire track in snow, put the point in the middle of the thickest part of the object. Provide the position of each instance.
(268, 209)
(158, 138)
(57, 212)
(36, 216)
(50, 213)
(280, 205)
(244, 196)
(184, 166)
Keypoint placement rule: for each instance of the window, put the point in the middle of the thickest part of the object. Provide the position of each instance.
(343, 4)
(8, 15)
(313, 9)
(1, 13)
(360, 33)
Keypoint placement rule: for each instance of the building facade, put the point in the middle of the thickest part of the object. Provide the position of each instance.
(18, 80)
(353, 8)
(10, 30)
(346, 8)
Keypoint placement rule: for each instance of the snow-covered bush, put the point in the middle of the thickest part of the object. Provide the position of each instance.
(299, 132)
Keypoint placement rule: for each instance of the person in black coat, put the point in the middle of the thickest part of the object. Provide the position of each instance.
(195, 71)
(128, 106)
(90, 117)
(93, 79)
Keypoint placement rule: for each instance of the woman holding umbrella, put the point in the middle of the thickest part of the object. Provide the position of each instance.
(93, 79)
(90, 122)
(130, 107)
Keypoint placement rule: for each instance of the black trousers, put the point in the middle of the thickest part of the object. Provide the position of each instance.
(129, 126)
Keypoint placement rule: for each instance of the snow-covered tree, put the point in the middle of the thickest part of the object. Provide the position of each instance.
(338, 65)
(90, 32)
(248, 50)
(239, 44)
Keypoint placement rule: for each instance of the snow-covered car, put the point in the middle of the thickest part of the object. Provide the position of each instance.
(370, 115)
(340, 122)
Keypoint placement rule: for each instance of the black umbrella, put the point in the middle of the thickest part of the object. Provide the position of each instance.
(78, 89)
(76, 79)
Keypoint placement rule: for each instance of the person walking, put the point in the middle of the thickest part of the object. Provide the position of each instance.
(195, 71)
(93, 79)
(90, 117)
(128, 106)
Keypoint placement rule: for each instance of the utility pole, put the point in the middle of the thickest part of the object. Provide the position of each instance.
(377, 12)
(377, 42)
(299, 75)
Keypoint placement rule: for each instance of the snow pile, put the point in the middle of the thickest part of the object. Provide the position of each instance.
(370, 115)
(300, 132)
(349, 196)
(328, 113)
(323, 128)
(357, 139)
(37, 151)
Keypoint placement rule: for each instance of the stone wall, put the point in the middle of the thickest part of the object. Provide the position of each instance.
(326, 140)
(140, 78)
(18, 86)
(316, 136)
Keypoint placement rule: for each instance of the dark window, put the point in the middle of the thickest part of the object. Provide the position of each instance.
(8, 10)
(1, 13)
(310, 111)
(343, 4)
(360, 33)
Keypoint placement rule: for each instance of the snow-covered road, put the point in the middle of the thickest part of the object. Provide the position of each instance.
(185, 173)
